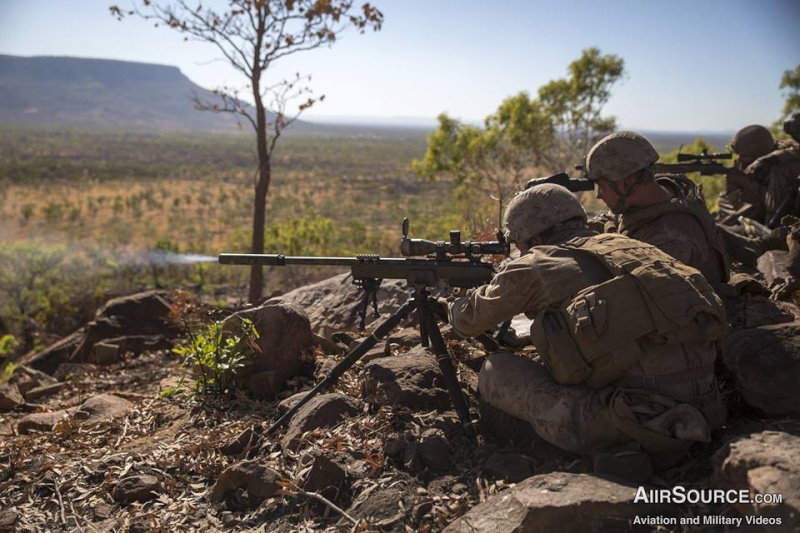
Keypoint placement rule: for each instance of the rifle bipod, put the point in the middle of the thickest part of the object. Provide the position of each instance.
(430, 334)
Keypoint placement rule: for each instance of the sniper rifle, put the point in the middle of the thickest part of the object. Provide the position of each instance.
(704, 163)
(455, 263)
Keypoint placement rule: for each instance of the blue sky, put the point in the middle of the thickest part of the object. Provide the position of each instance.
(701, 65)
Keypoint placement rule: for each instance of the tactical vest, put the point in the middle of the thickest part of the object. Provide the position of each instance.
(689, 199)
(595, 336)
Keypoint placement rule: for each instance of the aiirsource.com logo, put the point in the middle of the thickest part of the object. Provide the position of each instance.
(680, 495)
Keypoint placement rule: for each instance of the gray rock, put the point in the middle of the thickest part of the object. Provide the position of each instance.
(102, 407)
(10, 397)
(42, 391)
(136, 489)
(762, 463)
(385, 508)
(27, 378)
(92, 411)
(434, 450)
(289, 402)
(42, 422)
(510, 467)
(326, 478)
(755, 310)
(285, 345)
(325, 410)
(110, 351)
(245, 444)
(412, 379)
(104, 353)
(148, 307)
(259, 481)
(145, 313)
(332, 304)
(765, 364)
(558, 502)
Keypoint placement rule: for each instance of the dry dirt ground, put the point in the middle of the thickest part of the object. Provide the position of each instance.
(64, 480)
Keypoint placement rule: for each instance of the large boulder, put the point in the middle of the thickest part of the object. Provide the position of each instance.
(755, 310)
(148, 309)
(761, 464)
(323, 411)
(145, 313)
(332, 304)
(412, 379)
(765, 365)
(284, 346)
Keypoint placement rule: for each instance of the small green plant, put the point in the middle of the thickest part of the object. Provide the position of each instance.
(7, 344)
(219, 356)
(171, 392)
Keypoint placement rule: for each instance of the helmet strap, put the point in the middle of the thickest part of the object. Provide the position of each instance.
(622, 197)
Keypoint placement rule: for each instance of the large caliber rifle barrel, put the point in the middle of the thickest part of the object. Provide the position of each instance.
(281, 260)
(705, 168)
(563, 179)
(458, 273)
(703, 156)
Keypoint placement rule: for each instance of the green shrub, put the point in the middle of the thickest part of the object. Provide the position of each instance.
(219, 356)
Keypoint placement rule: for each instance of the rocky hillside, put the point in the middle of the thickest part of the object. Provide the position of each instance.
(76, 92)
(100, 432)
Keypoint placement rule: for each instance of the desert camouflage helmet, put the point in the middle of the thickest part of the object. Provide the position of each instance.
(753, 141)
(617, 156)
(538, 209)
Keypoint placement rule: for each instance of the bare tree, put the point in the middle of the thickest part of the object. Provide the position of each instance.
(252, 35)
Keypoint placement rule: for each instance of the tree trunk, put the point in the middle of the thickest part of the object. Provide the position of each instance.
(259, 221)
(261, 187)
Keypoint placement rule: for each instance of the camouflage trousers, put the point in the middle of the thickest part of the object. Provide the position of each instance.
(560, 414)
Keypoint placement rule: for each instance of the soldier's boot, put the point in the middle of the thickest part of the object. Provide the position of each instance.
(506, 429)
(627, 462)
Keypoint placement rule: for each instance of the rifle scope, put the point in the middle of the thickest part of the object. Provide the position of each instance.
(441, 249)
(454, 247)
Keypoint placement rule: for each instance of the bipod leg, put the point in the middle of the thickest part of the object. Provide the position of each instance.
(350, 359)
(439, 348)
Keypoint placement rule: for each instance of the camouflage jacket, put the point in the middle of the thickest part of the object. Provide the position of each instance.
(681, 227)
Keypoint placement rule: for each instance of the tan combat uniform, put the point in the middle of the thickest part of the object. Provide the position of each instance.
(765, 184)
(779, 171)
(681, 227)
(667, 387)
(741, 190)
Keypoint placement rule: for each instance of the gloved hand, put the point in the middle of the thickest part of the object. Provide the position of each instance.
(760, 168)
